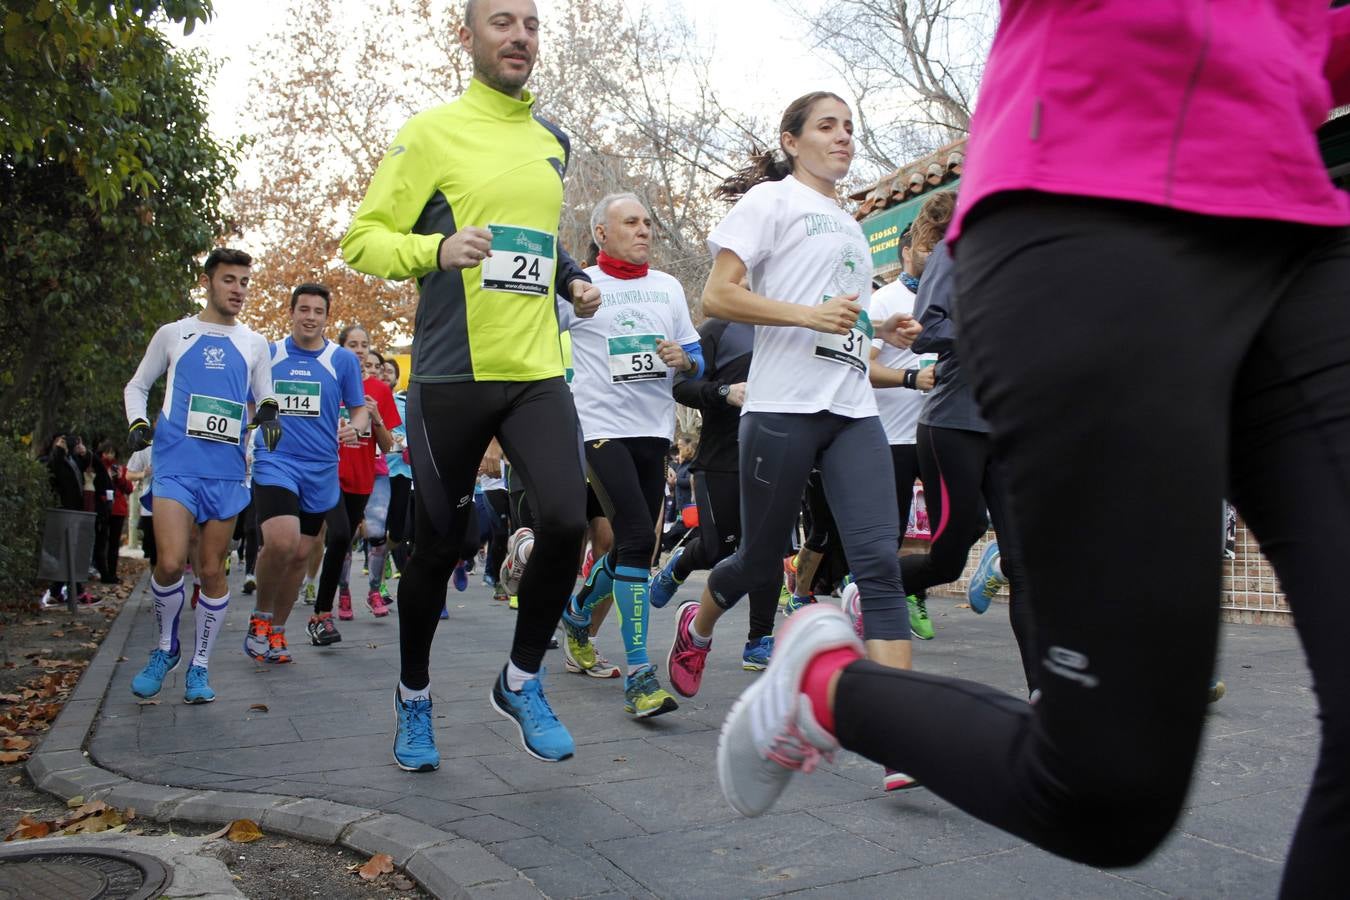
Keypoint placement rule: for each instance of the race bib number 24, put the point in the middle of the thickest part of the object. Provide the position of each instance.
(522, 261)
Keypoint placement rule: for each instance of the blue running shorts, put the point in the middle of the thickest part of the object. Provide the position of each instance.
(208, 499)
(315, 483)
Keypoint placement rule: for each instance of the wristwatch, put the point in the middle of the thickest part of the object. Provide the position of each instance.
(724, 391)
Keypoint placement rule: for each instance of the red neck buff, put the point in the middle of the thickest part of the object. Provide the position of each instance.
(618, 268)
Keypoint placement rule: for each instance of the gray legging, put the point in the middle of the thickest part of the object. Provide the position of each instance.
(778, 451)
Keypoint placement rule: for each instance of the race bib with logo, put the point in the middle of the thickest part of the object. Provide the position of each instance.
(214, 419)
(633, 357)
(299, 398)
(852, 349)
(522, 261)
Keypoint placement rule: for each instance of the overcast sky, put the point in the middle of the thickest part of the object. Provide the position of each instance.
(754, 39)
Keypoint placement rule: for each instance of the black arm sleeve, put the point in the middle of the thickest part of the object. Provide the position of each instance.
(566, 272)
(933, 305)
(703, 393)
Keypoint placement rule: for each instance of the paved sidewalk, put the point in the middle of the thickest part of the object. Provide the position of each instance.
(637, 812)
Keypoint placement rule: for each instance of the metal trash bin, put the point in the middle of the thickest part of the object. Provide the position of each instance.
(67, 547)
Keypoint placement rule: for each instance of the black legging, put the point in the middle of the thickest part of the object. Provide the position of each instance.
(628, 476)
(398, 524)
(1245, 385)
(961, 480)
(449, 428)
(341, 521)
(905, 462)
(498, 502)
(718, 497)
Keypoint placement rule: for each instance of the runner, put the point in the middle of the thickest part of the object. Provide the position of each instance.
(897, 377)
(296, 484)
(356, 477)
(377, 508)
(215, 365)
(1078, 239)
(808, 402)
(626, 358)
(727, 352)
(468, 200)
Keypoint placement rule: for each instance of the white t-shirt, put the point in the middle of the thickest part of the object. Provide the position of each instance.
(140, 462)
(899, 407)
(489, 483)
(800, 247)
(621, 387)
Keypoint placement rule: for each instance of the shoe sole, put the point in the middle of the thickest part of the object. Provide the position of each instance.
(922, 637)
(424, 767)
(520, 732)
(753, 667)
(667, 705)
(250, 654)
(198, 701)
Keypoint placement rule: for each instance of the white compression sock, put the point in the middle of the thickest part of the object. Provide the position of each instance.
(168, 606)
(210, 620)
(407, 693)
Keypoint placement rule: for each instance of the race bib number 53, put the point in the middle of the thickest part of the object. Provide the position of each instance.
(633, 357)
(214, 419)
(852, 349)
(522, 261)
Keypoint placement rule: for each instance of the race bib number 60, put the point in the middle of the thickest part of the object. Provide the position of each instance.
(852, 349)
(522, 261)
(214, 419)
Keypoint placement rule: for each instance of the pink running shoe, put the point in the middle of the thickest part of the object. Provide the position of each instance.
(685, 663)
(345, 605)
(850, 601)
(376, 604)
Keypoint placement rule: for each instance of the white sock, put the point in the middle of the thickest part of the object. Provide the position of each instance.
(210, 620)
(516, 676)
(169, 602)
(701, 642)
(998, 567)
(406, 693)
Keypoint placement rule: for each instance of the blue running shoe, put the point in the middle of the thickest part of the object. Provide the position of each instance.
(151, 678)
(198, 689)
(542, 735)
(757, 654)
(461, 577)
(414, 742)
(986, 581)
(664, 585)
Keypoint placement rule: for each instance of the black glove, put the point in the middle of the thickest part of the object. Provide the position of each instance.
(266, 421)
(140, 435)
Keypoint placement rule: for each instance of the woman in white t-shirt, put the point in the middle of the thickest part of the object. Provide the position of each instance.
(808, 401)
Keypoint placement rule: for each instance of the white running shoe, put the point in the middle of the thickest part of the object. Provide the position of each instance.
(771, 731)
(518, 549)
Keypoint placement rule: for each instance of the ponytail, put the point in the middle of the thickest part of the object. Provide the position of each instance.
(773, 165)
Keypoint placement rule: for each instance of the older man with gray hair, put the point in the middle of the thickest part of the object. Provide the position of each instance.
(626, 358)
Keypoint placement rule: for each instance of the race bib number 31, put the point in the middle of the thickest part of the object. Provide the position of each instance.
(214, 419)
(299, 398)
(852, 349)
(522, 261)
(632, 357)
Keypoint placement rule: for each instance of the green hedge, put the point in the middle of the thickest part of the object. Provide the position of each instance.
(22, 500)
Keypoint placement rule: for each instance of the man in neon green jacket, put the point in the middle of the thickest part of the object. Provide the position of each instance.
(467, 201)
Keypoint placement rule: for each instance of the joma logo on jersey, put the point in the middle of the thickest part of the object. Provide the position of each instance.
(214, 357)
(300, 371)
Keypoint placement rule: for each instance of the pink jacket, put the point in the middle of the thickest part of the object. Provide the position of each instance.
(1208, 106)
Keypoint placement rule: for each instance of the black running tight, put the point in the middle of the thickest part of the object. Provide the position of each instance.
(1134, 363)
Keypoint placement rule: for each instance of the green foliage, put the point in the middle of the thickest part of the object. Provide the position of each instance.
(25, 496)
(103, 217)
(67, 64)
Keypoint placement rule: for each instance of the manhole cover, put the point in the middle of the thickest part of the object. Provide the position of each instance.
(80, 874)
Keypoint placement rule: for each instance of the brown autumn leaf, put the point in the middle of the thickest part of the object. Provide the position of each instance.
(94, 824)
(16, 743)
(14, 756)
(10, 698)
(58, 663)
(260, 707)
(147, 703)
(16, 779)
(377, 865)
(400, 883)
(58, 634)
(75, 802)
(243, 831)
(29, 829)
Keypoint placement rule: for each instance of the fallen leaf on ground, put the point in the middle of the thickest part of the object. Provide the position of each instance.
(216, 834)
(75, 802)
(96, 823)
(147, 703)
(402, 884)
(373, 646)
(244, 831)
(260, 707)
(121, 659)
(379, 864)
(58, 634)
(621, 759)
(57, 663)
(10, 698)
(16, 743)
(16, 779)
(28, 829)
(7, 757)
(89, 645)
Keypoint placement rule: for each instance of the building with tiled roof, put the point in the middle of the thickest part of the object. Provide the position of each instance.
(888, 206)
